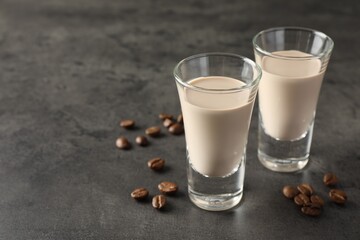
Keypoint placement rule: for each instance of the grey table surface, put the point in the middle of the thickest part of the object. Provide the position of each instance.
(70, 70)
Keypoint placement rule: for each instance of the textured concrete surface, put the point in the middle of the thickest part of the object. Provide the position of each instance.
(70, 70)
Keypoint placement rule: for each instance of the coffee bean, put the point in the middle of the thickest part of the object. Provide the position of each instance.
(290, 192)
(168, 122)
(330, 179)
(176, 129)
(316, 199)
(301, 199)
(337, 196)
(139, 193)
(156, 164)
(305, 189)
(159, 201)
(153, 131)
(311, 210)
(128, 124)
(180, 119)
(164, 116)
(168, 187)
(142, 141)
(123, 143)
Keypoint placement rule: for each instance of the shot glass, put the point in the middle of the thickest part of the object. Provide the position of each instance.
(217, 93)
(293, 62)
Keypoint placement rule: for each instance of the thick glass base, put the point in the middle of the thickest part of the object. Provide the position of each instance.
(284, 155)
(216, 193)
(219, 202)
(282, 165)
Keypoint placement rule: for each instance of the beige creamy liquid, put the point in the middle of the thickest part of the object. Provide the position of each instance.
(216, 125)
(288, 94)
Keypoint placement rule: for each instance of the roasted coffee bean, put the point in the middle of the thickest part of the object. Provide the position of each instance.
(142, 141)
(180, 119)
(290, 192)
(164, 116)
(168, 122)
(176, 129)
(337, 196)
(311, 210)
(330, 179)
(168, 187)
(301, 199)
(153, 131)
(127, 123)
(123, 143)
(156, 164)
(159, 201)
(139, 193)
(316, 199)
(305, 189)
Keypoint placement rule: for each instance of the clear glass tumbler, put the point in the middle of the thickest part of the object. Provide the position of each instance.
(293, 62)
(217, 93)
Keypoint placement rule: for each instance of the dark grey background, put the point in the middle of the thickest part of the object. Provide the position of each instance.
(70, 70)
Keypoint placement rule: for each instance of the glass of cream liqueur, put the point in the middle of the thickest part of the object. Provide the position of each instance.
(293, 62)
(217, 93)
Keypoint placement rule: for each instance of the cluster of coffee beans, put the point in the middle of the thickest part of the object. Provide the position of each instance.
(169, 188)
(311, 204)
(156, 164)
(304, 197)
(158, 201)
(174, 127)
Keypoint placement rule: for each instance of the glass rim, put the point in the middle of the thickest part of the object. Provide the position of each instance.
(326, 52)
(249, 85)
